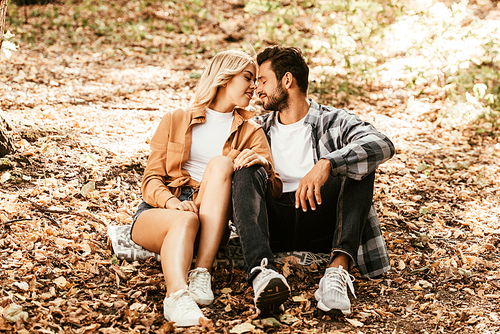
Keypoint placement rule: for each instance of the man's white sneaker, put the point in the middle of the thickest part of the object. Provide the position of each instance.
(271, 289)
(332, 292)
(181, 308)
(200, 286)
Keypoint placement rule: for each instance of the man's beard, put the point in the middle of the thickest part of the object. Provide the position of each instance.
(278, 100)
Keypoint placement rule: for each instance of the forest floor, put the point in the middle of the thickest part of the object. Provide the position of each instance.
(81, 122)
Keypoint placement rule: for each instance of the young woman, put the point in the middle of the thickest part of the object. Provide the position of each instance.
(187, 182)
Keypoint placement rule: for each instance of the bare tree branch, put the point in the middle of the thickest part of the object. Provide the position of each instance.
(3, 13)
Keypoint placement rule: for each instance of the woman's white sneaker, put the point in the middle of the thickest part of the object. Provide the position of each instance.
(181, 308)
(200, 286)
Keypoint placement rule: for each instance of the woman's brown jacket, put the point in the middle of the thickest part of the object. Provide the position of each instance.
(171, 143)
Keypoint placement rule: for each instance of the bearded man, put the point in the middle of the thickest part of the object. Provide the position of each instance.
(326, 158)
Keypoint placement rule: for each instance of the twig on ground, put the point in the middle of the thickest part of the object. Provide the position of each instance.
(15, 220)
(57, 211)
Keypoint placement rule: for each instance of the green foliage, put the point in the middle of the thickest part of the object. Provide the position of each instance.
(332, 34)
(95, 22)
(353, 46)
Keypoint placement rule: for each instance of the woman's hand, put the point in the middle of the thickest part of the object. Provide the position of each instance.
(175, 204)
(249, 158)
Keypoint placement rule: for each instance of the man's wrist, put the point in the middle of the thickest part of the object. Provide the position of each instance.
(325, 164)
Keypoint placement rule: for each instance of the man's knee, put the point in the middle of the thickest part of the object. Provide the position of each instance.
(252, 174)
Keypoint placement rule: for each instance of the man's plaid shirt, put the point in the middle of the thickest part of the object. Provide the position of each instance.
(355, 149)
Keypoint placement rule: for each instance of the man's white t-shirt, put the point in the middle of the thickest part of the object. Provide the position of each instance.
(291, 146)
(208, 139)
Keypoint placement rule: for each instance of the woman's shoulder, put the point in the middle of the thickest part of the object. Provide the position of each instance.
(177, 114)
(177, 111)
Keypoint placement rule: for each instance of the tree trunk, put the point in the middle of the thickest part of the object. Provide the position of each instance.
(3, 13)
(6, 144)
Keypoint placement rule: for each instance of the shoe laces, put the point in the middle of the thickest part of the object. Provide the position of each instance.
(264, 272)
(338, 279)
(184, 300)
(199, 278)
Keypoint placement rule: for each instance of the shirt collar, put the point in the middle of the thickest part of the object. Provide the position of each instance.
(313, 114)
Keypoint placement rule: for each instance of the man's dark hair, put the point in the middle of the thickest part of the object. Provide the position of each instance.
(286, 59)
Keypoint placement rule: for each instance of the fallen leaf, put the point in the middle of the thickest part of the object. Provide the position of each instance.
(226, 290)
(464, 272)
(286, 269)
(86, 248)
(5, 177)
(288, 319)
(87, 188)
(22, 285)
(206, 324)
(299, 299)
(424, 284)
(167, 327)
(14, 313)
(355, 322)
(138, 307)
(242, 328)
(61, 282)
(266, 323)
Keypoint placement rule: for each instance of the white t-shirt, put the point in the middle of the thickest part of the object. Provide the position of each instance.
(207, 141)
(291, 146)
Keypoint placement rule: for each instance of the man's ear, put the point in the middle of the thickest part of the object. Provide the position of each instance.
(287, 80)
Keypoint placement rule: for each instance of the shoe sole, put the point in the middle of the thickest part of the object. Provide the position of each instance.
(185, 322)
(272, 296)
(327, 310)
(204, 301)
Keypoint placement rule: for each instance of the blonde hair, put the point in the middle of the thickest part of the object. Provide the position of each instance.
(222, 68)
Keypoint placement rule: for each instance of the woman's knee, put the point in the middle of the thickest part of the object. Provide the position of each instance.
(220, 165)
(191, 221)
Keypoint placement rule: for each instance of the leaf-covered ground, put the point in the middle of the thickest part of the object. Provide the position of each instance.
(81, 121)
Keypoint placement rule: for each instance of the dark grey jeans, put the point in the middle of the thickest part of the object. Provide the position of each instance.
(266, 225)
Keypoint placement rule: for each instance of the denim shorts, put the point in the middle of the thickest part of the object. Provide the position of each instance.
(186, 195)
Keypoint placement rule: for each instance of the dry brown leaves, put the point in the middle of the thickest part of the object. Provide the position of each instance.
(82, 122)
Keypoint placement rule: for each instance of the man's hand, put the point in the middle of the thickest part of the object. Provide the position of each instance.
(310, 186)
(248, 158)
(175, 204)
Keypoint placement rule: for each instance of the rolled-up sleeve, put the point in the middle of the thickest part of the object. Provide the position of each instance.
(153, 188)
(359, 148)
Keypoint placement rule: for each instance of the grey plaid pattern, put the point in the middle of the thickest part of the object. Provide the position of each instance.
(355, 149)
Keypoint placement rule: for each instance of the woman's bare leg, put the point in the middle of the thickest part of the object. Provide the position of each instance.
(214, 202)
(172, 234)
